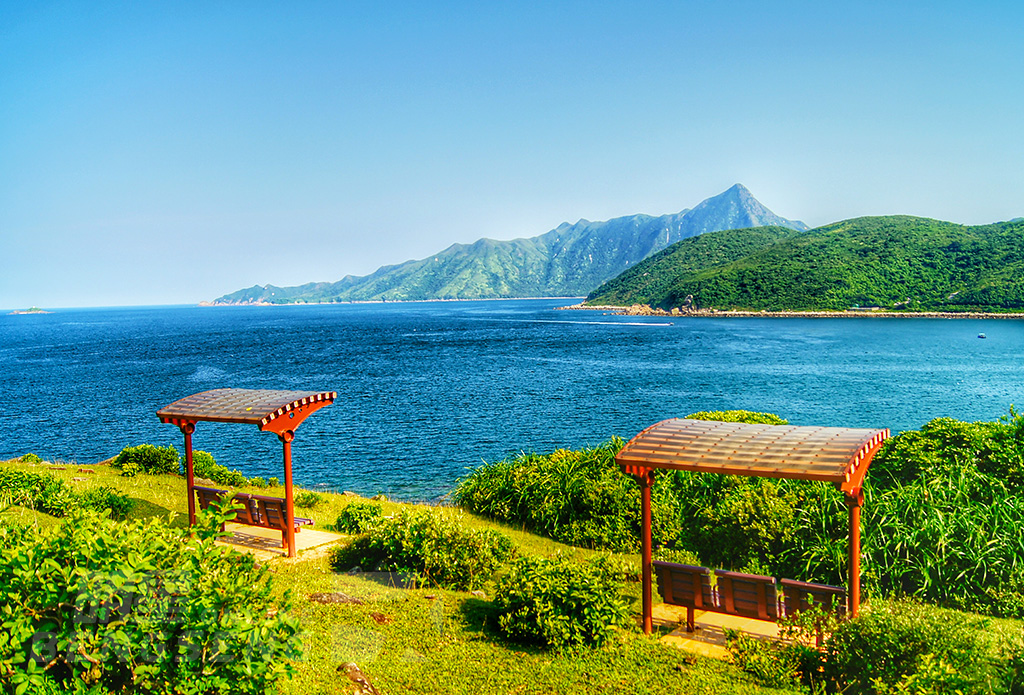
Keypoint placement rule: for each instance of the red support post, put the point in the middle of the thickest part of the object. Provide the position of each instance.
(645, 479)
(286, 438)
(187, 428)
(855, 500)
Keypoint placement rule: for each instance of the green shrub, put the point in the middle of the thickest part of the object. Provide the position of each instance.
(138, 607)
(357, 517)
(130, 469)
(905, 646)
(745, 416)
(205, 466)
(428, 544)
(108, 499)
(42, 491)
(258, 482)
(30, 458)
(791, 660)
(577, 497)
(273, 482)
(560, 602)
(150, 459)
(307, 499)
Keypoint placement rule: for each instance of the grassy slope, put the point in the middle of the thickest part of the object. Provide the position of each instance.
(425, 640)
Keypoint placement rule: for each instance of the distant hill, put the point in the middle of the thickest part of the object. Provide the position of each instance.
(568, 261)
(892, 262)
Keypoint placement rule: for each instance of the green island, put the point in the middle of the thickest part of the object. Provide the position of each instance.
(525, 581)
(893, 264)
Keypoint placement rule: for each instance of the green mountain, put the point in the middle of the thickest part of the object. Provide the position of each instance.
(892, 262)
(568, 261)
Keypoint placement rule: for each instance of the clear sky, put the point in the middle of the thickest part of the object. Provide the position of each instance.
(170, 152)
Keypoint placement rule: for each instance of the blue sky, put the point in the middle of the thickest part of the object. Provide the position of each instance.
(171, 152)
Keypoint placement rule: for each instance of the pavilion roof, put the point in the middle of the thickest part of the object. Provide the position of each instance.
(252, 406)
(839, 455)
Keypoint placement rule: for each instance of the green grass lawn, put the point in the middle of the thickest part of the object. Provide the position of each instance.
(420, 640)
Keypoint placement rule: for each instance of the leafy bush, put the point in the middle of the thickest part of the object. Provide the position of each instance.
(357, 517)
(130, 469)
(791, 660)
(258, 482)
(560, 602)
(205, 466)
(578, 497)
(138, 607)
(30, 458)
(107, 498)
(905, 646)
(41, 491)
(150, 459)
(307, 499)
(428, 544)
(273, 482)
(746, 416)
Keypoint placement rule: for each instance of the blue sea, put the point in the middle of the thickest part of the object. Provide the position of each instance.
(427, 391)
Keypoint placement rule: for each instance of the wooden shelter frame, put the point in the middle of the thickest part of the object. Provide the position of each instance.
(837, 455)
(280, 412)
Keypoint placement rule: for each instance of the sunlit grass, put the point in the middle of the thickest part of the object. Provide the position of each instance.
(421, 640)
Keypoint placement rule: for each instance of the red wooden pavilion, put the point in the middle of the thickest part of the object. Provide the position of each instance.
(280, 412)
(834, 454)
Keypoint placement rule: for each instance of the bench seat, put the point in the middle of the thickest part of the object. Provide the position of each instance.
(747, 595)
(255, 510)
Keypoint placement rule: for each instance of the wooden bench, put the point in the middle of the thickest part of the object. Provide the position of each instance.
(256, 510)
(802, 596)
(685, 585)
(746, 595)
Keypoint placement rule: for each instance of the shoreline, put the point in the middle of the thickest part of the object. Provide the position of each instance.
(381, 301)
(644, 310)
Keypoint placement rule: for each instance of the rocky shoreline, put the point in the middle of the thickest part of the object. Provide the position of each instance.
(645, 310)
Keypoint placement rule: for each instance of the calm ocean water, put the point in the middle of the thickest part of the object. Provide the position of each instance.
(429, 390)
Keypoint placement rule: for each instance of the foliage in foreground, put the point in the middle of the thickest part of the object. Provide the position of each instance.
(430, 545)
(137, 607)
(560, 602)
(893, 647)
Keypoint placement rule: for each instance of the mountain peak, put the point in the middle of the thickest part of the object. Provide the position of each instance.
(568, 261)
(742, 210)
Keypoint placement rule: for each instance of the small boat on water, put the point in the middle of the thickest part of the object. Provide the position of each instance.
(982, 335)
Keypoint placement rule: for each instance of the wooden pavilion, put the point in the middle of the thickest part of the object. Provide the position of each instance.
(833, 454)
(280, 412)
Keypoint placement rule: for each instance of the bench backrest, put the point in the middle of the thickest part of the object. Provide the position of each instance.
(205, 495)
(685, 585)
(272, 512)
(748, 595)
(247, 514)
(801, 596)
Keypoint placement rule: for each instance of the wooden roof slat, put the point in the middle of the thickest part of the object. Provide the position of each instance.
(835, 454)
(248, 406)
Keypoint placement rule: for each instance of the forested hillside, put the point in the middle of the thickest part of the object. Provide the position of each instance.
(894, 262)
